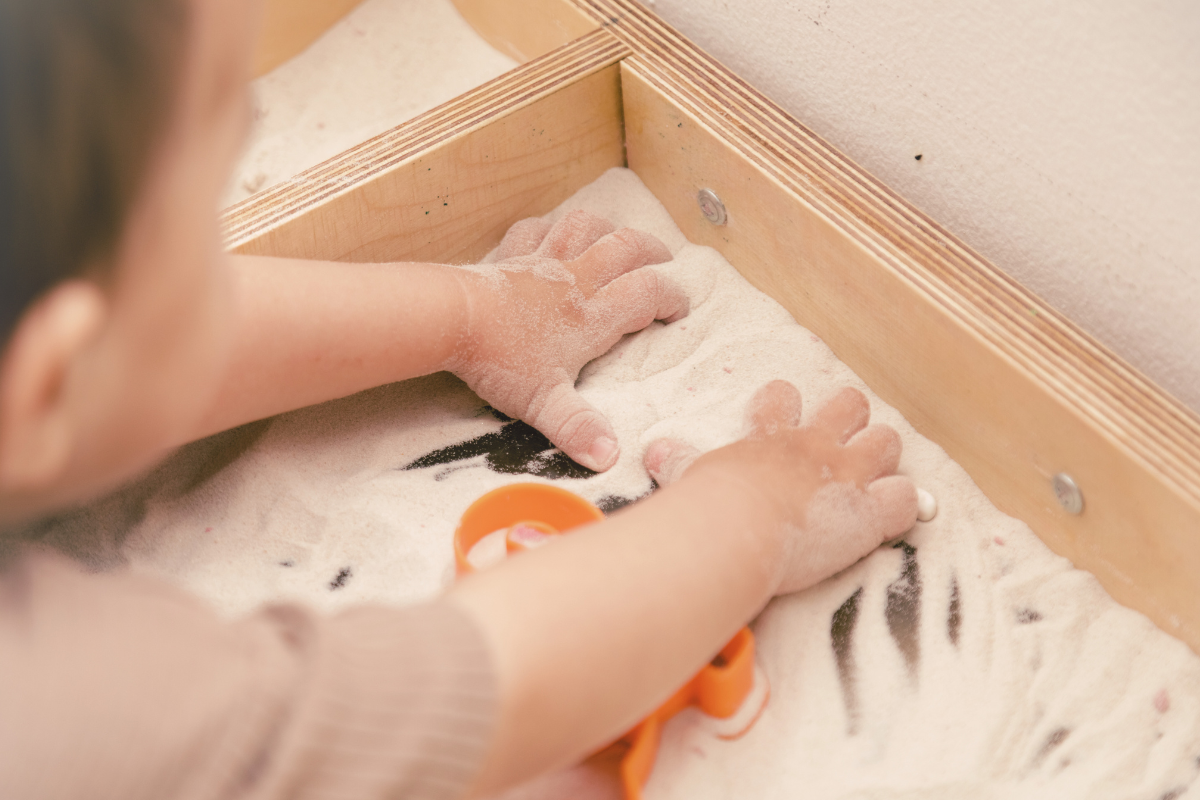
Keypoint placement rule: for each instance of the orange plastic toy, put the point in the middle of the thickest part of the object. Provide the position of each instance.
(530, 511)
(516, 508)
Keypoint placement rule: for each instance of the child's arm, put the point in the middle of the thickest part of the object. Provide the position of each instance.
(517, 332)
(592, 632)
(533, 663)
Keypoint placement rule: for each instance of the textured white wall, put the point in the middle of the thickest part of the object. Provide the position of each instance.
(1060, 140)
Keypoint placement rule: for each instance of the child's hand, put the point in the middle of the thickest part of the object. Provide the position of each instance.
(557, 298)
(829, 483)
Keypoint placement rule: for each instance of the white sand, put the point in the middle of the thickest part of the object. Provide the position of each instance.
(384, 63)
(1051, 691)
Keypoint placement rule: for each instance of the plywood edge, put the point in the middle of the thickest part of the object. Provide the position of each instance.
(347, 172)
(290, 26)
(1129, 404)
(445, 186)
(1011, 389)
(526, 29)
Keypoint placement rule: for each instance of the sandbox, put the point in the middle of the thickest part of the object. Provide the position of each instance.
(1012, 390)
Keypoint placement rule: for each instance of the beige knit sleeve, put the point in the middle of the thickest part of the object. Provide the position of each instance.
(118, 686)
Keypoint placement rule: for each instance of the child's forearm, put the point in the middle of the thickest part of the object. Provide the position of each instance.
(517, 332)
(592, 632)
(309, 331)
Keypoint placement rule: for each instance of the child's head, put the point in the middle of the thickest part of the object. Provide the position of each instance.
(119, 123)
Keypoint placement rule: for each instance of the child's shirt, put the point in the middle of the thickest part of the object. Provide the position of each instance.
(118, 686)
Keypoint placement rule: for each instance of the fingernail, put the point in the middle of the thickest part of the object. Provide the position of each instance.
(657, 454)
(603, 453)
(926, 505)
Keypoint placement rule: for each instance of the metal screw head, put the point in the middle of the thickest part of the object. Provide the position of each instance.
(711, 205)
(1068, 494)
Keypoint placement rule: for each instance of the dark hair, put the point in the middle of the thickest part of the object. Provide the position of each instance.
(85, 88)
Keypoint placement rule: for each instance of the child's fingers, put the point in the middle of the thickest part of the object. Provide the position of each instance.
(844, 415)
(875, 452)
(667, 459)
(632, 302)
(574, 426)
(618, 253)
(523, 238)
(773, 408)
(895, 499)
(572, 235)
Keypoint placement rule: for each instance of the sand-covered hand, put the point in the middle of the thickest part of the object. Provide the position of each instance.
(830, 482)
(557, 297)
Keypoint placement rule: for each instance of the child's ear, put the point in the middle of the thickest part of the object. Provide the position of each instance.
(37, 424)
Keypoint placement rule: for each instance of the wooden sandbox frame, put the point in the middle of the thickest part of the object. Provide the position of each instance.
(1013, 391)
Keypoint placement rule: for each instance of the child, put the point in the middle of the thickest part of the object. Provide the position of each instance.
(127, 331)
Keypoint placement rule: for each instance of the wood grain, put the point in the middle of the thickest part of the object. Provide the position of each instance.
(289, 26)
(445, 186)
(526, 29)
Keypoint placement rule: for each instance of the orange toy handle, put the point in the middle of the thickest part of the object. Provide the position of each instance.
(638, 762)
(722, 686)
